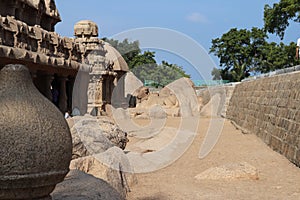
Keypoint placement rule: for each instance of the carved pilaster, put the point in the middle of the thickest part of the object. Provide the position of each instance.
(63, 98)
(99, 92)
(47, 88)
(43, 83)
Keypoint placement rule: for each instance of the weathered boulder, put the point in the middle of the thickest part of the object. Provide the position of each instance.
(165, 92)
(143, 113)
(169, 97)
(120, 114)
(97, 150)
(139, 113)
(212, 108)
(113, 132)
(204, 96)
(154, 142)
(171, 101)
(142, 94)
(79, 150)
(232, 171)
(88, 139)
(91, 136)
(81, 186)
(187, 99)
(153, 99)
(157, 112)
(132, 83)
(111, 166)
(218, 97)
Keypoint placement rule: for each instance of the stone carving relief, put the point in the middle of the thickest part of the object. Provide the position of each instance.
(32, 12)
(27, 34)
(17, 34)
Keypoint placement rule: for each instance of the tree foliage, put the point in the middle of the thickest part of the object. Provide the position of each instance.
(277, 17)
(128, 50)
(216, 73)
(145, 58)
(244, 52)
(144, 65)
(239, 49)
(277, 56)
(160, 75)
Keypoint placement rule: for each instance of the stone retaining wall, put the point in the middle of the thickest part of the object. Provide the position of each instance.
(270, 108)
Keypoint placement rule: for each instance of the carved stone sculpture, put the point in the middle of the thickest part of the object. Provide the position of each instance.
(35, 142)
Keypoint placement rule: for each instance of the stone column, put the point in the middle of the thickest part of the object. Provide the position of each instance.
(71, 82)
(48, 78)
(99, 96)
(107, 86)
(63, 98)
(123, 101)
(43, 83)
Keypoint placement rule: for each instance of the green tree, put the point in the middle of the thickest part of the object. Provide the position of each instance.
(161, 74)
(239, 72)
(141, 59)
(277, 56)
(277, 17)
(144, 65)
(239, 50)
(216, 73)
(128, 50)
(178, 69)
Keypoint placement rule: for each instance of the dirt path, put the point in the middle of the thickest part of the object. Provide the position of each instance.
(278, 178)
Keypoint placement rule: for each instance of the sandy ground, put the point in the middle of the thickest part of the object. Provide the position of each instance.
(278, 178)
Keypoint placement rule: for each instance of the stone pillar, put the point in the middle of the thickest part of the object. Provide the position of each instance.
(43, 83)
(107, 86)
(99, 96)
(70, 87)
(63, 98)
(46, 91)
(120, 90)
(99, 92)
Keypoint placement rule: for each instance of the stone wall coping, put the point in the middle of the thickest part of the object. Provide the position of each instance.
(275, 73)
(38, 58)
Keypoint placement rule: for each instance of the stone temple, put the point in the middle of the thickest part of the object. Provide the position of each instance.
(27, 36)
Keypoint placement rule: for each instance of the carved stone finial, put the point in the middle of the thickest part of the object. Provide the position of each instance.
(35, 141)
(85, 28)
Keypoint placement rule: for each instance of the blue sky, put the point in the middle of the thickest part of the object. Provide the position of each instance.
(201, 20)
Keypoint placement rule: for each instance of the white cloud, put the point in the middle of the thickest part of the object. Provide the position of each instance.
(197, 18)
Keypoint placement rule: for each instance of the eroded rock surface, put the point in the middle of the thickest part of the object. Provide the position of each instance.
(81, 186)
(98, 145)
(111, 166)
(232, 171)
(91, 135)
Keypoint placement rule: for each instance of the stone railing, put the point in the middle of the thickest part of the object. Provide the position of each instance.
(274, 73)
(19, 41)
(270, 108)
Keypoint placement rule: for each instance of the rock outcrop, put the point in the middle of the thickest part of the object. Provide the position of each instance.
(142, 94)
(232, 171)
(81, 186)
(98, 146)
(91, 135)
(111, 166)
(185, 93)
